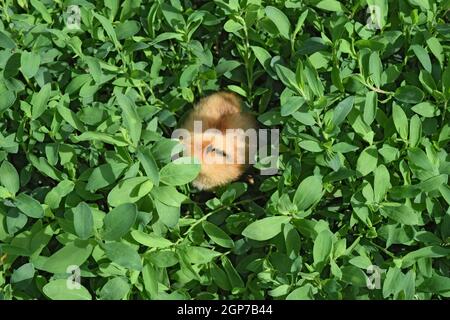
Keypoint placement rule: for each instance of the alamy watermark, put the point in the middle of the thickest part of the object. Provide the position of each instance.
(73, 18)
(373, 22)
(373, 280)
(73, 282)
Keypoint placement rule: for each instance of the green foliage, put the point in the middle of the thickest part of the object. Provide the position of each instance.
(86, 177)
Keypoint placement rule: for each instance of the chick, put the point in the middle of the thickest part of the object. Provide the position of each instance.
(221, 137)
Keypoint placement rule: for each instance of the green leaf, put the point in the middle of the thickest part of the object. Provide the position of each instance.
(71, 118)
(168, 214)
(287, 76)
(308, 192)
(265, 228)
(200, 255)
(342, 110)
(106, 24)
(400, 121)
(83, 221)
(217, 235)
(39, 101)
(40, 7)
(150, 240)
(55, 196)
(6, 42)
(115, 289)
(323, 245)
(29, 206)
(60, 290)
(375, 68)
(330, 5)
(123, 254)
(179, 172)
(426, 252)
(370, 107)
(436, 48)
(409, 94)
(72, 254)
(104, 175)
(131, 118)
(415, 131)
(8, 98)
(400, 213)
(29, 64)
(148, 162)
(367, 161)
(280, 20)
(291, 105)
(9, 177)
(381, 183)
(129, 191)
(168, 195)
(119, 221)
(423, 56)
(426, 109)
(436, 284)
(301, 293)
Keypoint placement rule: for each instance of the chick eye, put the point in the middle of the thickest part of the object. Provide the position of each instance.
(210, 149)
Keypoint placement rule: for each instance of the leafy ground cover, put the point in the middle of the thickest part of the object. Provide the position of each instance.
(359, 208)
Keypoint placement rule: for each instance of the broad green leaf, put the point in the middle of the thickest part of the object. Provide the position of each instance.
(29, 206)
(308, 192)
(400, 121)
(330, 5)
(148, 162)
(39, 101)
(265, 228)
(342, 110)
(401, 213)
(115, 289)
(367, 161)
(179, 172)
(381, 183)
(301, 293)
(40, 7)
(280, 20)
(323, 245)
(123, 254)
(291, 105)
(217, 235)
(423, 56)
(436, 48)
(129, 191)
(72, 254)
(415, 131)
(83, 221)
(104, 175)
(168, 214)
(29, 63)
(200, 255)
(62, 189)
(168, 195)
(426, 252)
(9, 177)
(150, 240)
(61, 290)
(426, 109)
(409, 94)
(375, 68)
(119, 221)
(370, 107)
(131, 118)
(101, 136)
